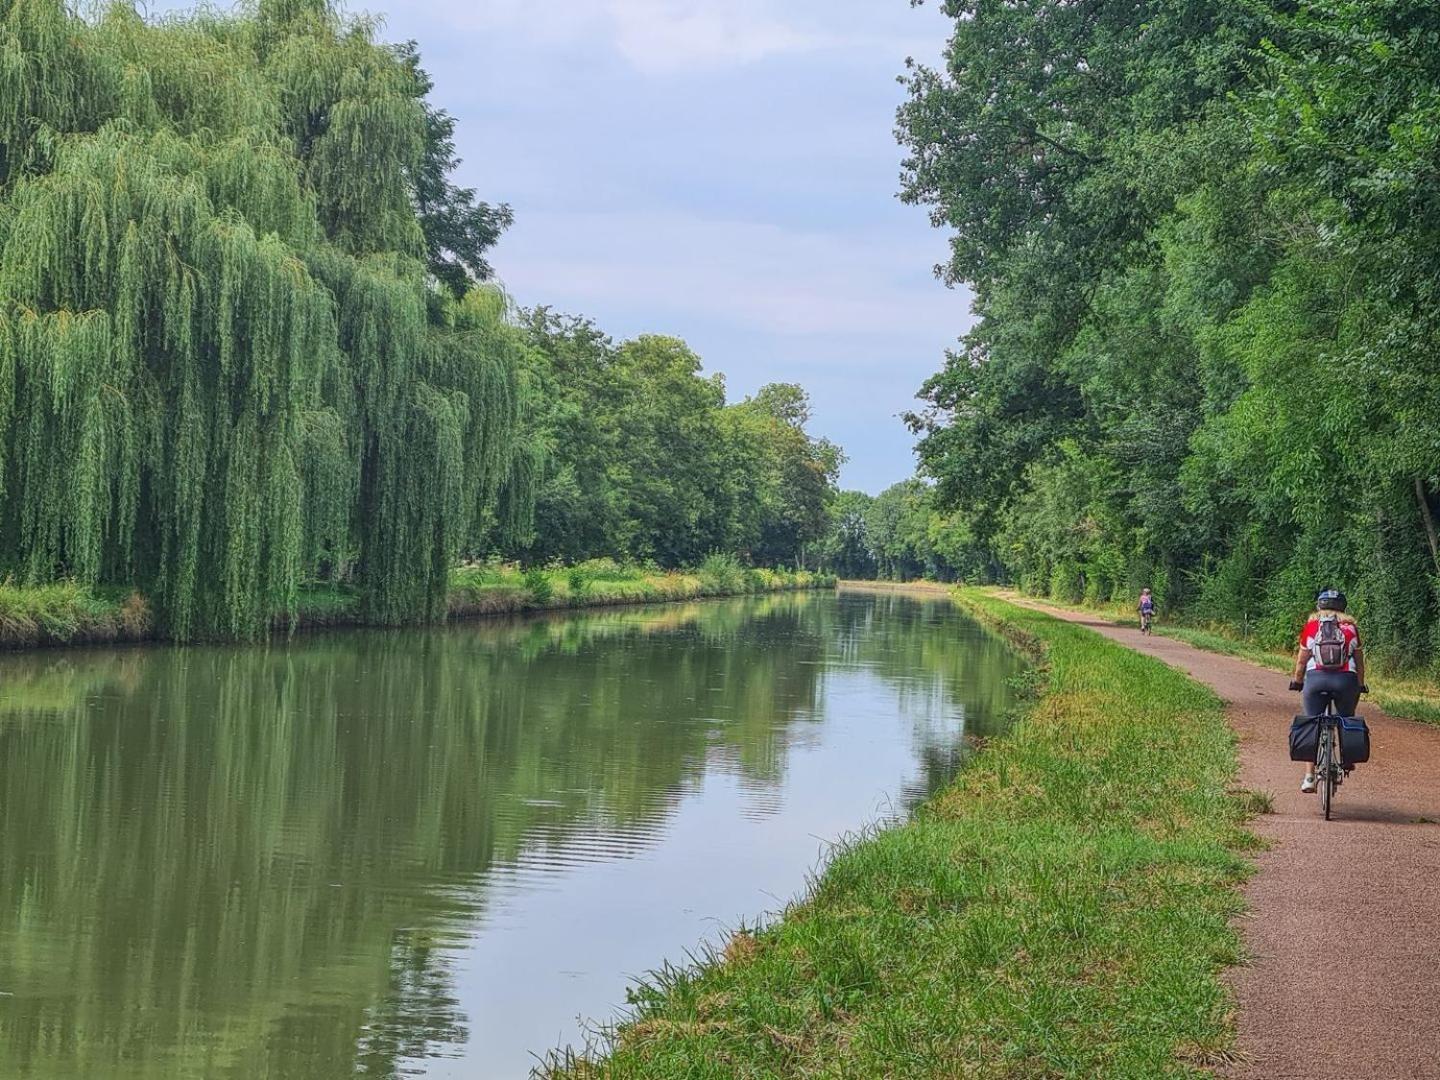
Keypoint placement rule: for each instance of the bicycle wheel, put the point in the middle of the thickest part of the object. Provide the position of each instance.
(1325, 772)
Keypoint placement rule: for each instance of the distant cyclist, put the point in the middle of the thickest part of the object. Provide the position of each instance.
(1330, 663)
(1147, 610)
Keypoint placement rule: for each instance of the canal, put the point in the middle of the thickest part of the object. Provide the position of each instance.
(432, 852)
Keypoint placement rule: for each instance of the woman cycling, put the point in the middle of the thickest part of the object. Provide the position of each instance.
(1329, 665)
(1147, 610)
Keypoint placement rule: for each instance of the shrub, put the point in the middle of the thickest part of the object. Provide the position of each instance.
(720, 574)
(537, 582)
(577, 582)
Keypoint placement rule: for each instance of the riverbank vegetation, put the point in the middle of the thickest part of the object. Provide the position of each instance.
(249, 354)
(646, 461)
(1201, 240)
(67, 613)
(1062, 909)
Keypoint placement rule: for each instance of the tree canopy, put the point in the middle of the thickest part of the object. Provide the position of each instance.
(1201, 238)
(233, 350)
(247, 341)
(644, 459)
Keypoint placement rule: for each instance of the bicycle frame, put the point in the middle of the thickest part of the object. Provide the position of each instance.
(1329, 771)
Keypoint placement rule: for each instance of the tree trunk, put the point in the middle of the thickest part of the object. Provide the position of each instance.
(1423, 499)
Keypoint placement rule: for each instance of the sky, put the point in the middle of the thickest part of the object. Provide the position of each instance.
(720, 170)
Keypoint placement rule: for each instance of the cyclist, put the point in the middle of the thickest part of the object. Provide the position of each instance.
(1329, 665)
(1147, 610)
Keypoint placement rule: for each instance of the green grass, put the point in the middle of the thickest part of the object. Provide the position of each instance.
(1063, 909)
(1217, 642)
(62, 613)
(328, 605)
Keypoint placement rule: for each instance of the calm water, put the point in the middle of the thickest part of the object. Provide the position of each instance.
(430, 852)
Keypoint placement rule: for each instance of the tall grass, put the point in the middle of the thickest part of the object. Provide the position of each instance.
(1063, 909)
(64, 612)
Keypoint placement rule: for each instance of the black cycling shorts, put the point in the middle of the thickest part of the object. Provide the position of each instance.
(1321, 687)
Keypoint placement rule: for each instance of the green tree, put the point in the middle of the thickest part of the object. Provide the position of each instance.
(225, 366)
(643, 459)
(800, 470)
(1203, 243)
(846, 548)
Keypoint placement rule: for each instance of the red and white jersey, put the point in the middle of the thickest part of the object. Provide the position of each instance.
(1352, 642)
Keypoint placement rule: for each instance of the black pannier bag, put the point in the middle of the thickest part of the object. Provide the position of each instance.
(1304, 738)
(1354, 740)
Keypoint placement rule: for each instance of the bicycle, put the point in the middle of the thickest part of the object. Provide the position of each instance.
(1329, 770)
(1146, 618)
(1330, 767)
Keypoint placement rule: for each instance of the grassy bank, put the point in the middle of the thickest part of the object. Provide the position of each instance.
(65, 613)
(1063, 909)
(1404, 694)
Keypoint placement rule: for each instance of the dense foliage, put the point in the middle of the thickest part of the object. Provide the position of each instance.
(644, 459)
(227, 361)
(1203, 243)
(245, 345)
(903, 534)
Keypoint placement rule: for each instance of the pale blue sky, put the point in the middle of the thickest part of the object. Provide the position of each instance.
(720, 170)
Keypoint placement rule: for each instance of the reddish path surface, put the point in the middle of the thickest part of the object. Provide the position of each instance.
(1363, 1001)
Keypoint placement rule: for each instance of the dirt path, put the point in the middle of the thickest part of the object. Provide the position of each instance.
(1365, 1002)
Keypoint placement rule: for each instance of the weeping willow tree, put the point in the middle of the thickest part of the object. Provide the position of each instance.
(225, 365)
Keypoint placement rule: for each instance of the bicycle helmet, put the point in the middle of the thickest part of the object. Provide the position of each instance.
(1330, 600)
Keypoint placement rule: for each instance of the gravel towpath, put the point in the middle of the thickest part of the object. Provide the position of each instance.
(1343, 930)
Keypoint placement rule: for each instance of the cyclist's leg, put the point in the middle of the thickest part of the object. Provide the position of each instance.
(1347, 693)
(1315, 696)
(1347, 700)
(1318, 692)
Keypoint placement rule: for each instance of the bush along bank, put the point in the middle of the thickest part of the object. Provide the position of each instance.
(1062, 909)
(496, 588)
(66, 613)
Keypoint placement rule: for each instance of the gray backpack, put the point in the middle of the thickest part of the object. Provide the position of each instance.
(1329, 647)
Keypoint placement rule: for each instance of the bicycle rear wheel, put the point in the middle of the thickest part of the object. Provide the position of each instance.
(1324, 764)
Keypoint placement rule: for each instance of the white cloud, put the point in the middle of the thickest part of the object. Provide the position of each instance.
(665, 35)
(654, 36)
(763, 277)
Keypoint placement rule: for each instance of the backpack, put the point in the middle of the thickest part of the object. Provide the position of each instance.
(1329, 647)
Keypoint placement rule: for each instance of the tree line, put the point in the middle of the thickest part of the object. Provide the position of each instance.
(1202, 240)
(647, 461)
(903, 534)
(247, 341)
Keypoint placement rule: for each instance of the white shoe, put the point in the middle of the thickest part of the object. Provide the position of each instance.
(1308, 785)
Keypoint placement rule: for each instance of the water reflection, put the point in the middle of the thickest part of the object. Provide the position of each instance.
(392, 853)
